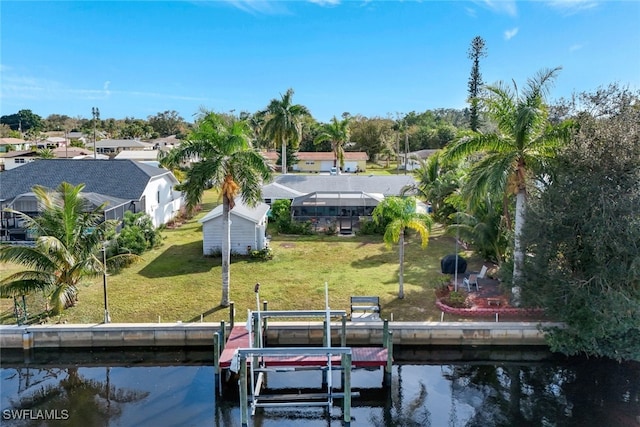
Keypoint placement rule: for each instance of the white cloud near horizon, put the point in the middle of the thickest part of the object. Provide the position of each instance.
(509, 34)
(16, 87)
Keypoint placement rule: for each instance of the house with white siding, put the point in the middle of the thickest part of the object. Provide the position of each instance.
(248, 229)
(124, 185)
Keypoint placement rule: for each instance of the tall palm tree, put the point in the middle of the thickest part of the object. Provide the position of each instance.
(70, 233)
(228, 162)
(284, 123)
(398, 214)
(337, 133)
(510, 157)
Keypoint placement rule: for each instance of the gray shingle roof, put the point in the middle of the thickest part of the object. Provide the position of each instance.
(122, 179)
(388, 185)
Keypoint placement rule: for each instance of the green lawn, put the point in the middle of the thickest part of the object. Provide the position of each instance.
(176, 282)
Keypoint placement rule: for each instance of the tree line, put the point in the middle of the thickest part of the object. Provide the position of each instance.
(379, 137)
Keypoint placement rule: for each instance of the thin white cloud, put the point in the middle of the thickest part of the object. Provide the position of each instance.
(575, 47)
(471, 12)
(509, 34)
(259, 7)
(572, 6)
(325, 2)
(105, 87)
(507, 7)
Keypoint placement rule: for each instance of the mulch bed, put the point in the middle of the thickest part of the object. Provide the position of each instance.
(486, 301)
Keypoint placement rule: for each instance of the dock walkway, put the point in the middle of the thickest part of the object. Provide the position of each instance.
(362, 357)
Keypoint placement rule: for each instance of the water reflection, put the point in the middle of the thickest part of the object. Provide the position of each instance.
(572, 392)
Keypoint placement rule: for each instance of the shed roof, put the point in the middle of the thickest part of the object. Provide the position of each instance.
(241, 209)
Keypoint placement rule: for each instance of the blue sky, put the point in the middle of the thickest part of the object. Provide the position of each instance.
(374, 58)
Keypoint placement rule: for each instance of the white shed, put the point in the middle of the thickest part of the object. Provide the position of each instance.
(248, 229)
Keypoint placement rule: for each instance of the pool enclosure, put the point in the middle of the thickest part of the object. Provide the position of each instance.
(342, 209)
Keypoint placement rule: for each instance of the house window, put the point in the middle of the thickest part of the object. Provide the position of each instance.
(20, 161)
(158, 197)
(309, 163)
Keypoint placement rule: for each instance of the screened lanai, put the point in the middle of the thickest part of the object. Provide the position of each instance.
(342, 209)
(13, 228)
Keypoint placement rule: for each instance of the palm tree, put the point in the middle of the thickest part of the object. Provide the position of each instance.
(521, 147)
(228, 162)
(46, 153)
(397, 214)
(337, 133)
(436, 182)
(70, 233)
(284, 123)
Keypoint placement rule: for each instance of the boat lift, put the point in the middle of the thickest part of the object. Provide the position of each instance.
(254, 361)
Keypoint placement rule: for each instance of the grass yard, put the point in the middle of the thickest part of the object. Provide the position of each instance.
(176, 282)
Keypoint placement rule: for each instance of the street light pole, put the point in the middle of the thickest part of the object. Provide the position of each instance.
(107, 317)
(95, 112)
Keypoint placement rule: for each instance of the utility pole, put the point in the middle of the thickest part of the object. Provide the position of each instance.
(406, 150)
(95, 112)
(107, 317)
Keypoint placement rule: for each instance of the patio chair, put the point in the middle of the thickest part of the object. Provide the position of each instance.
(472, 280)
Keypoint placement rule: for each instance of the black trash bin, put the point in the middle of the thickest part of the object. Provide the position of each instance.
(448, 264)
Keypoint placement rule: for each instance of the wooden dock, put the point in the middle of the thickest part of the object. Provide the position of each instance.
(362, 357)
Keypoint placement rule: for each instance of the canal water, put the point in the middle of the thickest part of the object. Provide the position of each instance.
(446, 387)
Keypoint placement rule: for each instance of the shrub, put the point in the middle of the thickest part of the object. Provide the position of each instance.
(281, 210)
(263, 254)
(331, 229)
(456, 299)
(131, 239)
(369, 227)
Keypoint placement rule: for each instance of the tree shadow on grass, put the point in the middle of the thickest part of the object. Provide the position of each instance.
(178, 260)
(207, 313)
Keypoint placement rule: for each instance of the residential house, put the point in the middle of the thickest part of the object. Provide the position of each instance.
(315, 162)
(52, 142)
(149, 157)
(318, 162)
(124, 184)
(13, 144)
(340, 200)
(412, 160)
(76, 153)
(165, 143)
(14, 159)
(248, 229)
(112, 147)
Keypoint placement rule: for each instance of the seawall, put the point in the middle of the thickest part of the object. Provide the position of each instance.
(278, 334)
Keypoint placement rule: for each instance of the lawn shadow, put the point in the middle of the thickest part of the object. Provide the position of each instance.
(178, 260)
(207, 313)
(373, 260)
